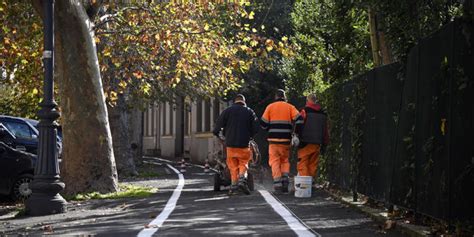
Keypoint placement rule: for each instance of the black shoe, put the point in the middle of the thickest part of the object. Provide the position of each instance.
(285, 182)
(277, 188)
(233, 190)
(244, 187)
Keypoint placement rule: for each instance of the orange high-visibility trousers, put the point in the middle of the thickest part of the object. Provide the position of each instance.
(237, 161)
(279, 160)
(308, 159)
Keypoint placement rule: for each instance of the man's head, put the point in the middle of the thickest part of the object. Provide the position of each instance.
(239, 98)
(312, 98)
(280, 94)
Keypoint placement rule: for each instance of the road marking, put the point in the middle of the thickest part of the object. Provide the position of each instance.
(296, 225)
(170, 205)
(168, 161)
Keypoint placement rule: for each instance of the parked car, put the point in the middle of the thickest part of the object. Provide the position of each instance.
(26, 133)
(16, 167)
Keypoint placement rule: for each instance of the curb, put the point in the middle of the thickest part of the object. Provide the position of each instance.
(381, 217)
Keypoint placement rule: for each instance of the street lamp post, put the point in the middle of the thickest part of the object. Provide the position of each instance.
(46, 186)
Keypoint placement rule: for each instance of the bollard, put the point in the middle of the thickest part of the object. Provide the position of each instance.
(183, 166)
(206, 167)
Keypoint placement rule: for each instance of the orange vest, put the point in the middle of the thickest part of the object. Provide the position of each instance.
(278, 119)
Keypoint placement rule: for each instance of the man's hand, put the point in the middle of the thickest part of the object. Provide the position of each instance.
(295, 141)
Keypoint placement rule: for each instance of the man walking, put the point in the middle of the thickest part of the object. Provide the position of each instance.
(278, 119)
(239, 123)
(314, 135)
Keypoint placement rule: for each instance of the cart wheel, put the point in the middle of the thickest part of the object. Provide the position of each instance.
(250, 181)
(217, 182)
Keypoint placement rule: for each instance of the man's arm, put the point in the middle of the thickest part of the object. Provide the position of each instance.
(220, 123)
(265, 120)
(298, 120)
(254, 123)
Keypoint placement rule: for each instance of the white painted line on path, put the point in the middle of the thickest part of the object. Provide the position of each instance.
(170, 205)
(296, 225)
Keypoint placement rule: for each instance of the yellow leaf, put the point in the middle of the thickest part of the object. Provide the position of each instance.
(254, 30)
(251, 15)
(35, 91)
(206, 27)
(122, 84)
(284, 38)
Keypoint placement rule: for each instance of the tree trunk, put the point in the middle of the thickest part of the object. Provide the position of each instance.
(373, 38)
(381, 52)
(88, 159)
(136, 134)
(119, 125)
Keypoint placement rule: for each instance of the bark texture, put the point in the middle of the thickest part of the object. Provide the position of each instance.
(119, 125)
(381, 52)
(136, 134)
(88, 158)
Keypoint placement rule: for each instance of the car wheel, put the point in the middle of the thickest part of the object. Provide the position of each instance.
(217, 182)
(21, 187)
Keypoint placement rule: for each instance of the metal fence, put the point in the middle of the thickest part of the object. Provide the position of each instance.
(416, 130)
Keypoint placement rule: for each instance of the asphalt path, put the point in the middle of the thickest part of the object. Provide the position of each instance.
(202, 212)
(190, 207)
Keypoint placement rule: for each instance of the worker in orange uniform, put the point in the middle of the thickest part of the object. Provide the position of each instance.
(279, 119)
(239, 124)
(313, 137)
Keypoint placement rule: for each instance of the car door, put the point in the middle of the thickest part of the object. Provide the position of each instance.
(8, 169)
(26, 139)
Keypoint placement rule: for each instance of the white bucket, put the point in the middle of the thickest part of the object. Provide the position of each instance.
(303, 186)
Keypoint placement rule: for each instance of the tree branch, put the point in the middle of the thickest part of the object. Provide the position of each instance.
(38, 6)
(93, 9)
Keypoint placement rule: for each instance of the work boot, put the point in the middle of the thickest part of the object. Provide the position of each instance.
(285, 182)
(233, 190)
(243, 185)
(277, 187)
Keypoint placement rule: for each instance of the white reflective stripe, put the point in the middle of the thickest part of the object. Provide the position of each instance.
(299, 121)
(298, 227)
(170, 205)
(279, 130)
(280, 122)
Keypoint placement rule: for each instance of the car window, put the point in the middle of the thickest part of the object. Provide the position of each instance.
(20, 130)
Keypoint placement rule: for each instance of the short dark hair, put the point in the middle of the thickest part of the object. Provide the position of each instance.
(280, 93)
(239, 97)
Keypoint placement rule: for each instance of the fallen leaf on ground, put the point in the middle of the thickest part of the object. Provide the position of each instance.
(47, 228)
(389, 225)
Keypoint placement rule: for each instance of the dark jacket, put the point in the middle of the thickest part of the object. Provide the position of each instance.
(239, 123)
(315, 129)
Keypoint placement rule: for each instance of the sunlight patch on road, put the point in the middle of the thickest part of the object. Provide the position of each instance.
(211, 199)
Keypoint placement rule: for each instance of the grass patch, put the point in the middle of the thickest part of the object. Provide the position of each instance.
(125, 191)
(21, 211)
(148, 174)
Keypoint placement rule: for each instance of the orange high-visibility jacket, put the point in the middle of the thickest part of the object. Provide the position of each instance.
(278, 119)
